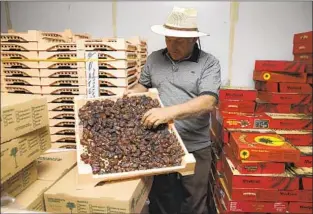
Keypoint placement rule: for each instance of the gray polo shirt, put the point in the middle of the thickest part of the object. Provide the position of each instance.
(179, 82)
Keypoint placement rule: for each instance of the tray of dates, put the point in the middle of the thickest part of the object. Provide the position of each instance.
(112, 143)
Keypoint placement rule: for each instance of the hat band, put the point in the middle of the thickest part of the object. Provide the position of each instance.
(180, 29)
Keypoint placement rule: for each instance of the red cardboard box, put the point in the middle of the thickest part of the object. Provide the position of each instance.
(263, 147)
(310, 79)
(253, 167)
(269, 76)
(285, 98)
(303, 37)
(234, 179)
(262, 107)
(237, 106)
(300, 207)
(296, 137)
(279, 66)
(243, 120)
(307, 58)
(247, 206)
(305, 195)
(305, 174)
(266, 86)
(306, 157)
(295, 88)
(303, 48)
(302, 109)
(237, 93)
(309, 68)
(290, 121)
(226, 132)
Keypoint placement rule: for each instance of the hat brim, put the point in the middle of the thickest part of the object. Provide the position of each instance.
(161, 30)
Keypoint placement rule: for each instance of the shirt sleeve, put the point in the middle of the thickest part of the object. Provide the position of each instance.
(210, 81)
(145, 76)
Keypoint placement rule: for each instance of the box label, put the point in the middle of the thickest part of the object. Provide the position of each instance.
(92, 74)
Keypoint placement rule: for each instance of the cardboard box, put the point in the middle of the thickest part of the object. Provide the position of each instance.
(16, 210)
(306, 157)
(32, 198)
(309, 68)
(232, 205)
(271, 76)
(63, 197)
(20, 181)
(310, 79)
(295, 88)
(303, 48)
(300, 207)
(237, 106)
(303, 37)
(266, 86)
(263, 147)
(262, 107)
(305, 175)
(237, 93)
(19, 152)
(56, 162)
(279, 66)
(301, 109)
(226, 132)
(307, 58)
(285, 98)
(234, 179)
(290, 121)
(305, 195)
(22, 114)
(297, 137)
(253, 167)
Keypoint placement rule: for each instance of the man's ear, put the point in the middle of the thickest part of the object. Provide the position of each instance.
(195, 39)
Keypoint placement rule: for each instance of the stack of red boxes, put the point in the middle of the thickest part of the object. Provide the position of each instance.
(262, 155)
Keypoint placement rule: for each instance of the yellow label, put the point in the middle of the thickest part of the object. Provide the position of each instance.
(244, 154)
(266, 76)
(269, 141)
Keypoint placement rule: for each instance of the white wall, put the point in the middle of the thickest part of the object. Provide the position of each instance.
(265, 31)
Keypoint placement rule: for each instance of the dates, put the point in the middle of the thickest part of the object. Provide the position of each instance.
(114, 139)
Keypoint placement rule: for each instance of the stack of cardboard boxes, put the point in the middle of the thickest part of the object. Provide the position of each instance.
(262, 155)
(54, 65)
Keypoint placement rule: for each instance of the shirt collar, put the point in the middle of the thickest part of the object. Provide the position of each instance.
(194, 56)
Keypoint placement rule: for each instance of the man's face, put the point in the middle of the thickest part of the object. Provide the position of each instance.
(180, 48)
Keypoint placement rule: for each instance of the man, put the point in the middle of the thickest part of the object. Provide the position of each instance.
(188, 80)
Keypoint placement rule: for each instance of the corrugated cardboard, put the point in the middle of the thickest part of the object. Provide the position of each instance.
(115, 197)
(16, 210)
(21, 114)
(32, 197)
(20, 181)
(56, 162)
(19, 152)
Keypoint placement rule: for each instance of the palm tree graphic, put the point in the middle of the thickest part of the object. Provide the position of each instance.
(13, 154)
(71, 206)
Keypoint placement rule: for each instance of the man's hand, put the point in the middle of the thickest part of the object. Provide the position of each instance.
(157, 116)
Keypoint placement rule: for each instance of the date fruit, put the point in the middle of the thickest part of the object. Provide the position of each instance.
(114, 140)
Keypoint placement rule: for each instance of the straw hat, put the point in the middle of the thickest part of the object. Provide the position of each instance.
(182, 22)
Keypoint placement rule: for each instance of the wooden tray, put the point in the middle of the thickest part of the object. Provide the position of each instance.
(61, 115)
(21, 65)
(53, 90)
(34, 36)
(27, 81)
(111, 91)
(16, 72)
(84, 170)
(106, 44)
(63, 139)
(21, 89)
(44, 55)
(61, 65)
(63, 73)
(64, 131)
(60, 98)
(111, 55)
(19, 55)
(117, 82)
(61, 123)
(117, 64)
(67, 82)
(78, 36)
(31, 46)
(60, 46)
(60, 107)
